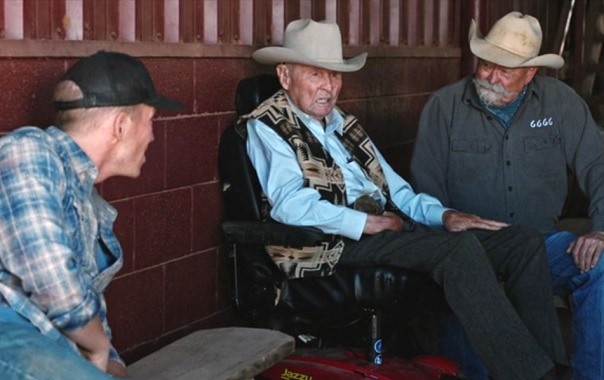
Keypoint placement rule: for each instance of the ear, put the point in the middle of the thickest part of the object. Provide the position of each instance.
(530, 74)
(119, 125)
(284, 75)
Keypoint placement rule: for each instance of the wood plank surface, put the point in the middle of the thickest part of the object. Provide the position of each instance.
(223, 353)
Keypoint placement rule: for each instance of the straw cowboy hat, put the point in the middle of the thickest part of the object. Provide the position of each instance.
(311, 43)
(513, 41)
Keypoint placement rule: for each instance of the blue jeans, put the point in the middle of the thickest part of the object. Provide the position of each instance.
(587, 290)
(27, 354)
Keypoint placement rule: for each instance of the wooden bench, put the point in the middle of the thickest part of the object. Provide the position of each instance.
(223, 353)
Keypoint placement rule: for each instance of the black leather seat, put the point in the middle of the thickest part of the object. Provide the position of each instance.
(314, 305)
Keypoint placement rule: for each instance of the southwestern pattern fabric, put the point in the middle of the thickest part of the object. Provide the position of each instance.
(321, 173)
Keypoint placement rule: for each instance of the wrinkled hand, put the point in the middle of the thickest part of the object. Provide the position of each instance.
(586, 250)
(386, 221)
(459, 221)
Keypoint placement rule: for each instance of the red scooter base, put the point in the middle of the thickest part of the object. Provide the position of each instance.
(340, 363)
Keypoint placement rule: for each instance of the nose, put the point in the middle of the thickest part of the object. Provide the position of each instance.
(328, 82)
(493, 76)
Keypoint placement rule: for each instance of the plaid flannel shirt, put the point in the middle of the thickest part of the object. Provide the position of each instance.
(52, 220)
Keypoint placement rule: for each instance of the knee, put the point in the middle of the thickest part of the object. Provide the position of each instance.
(559, 240)
(466, 247)
(466, 241)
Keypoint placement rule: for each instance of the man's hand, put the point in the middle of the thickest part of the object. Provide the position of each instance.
(92, 342)
(98, 357)
(586, 250)
(116, 369)
(379, 223)
(459, 221)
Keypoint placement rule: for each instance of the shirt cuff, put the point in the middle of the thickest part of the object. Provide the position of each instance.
(353, 223)
(434, 216)
(80, 315)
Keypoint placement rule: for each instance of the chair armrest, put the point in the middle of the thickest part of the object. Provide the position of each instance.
(271, 233)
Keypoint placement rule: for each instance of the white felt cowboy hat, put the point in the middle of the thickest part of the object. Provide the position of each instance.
(311, 43)
(513, 41)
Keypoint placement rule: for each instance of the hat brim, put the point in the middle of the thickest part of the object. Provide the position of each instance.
(163, 103)
(273, 55)
(157, 101)
(483, 49)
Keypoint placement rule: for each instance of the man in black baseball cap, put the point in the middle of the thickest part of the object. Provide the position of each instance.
(113, 79)
(58, 252)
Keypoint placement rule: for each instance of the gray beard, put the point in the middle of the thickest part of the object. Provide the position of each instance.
(492, 94)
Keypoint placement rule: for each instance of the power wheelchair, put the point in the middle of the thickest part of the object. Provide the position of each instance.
(325, 314)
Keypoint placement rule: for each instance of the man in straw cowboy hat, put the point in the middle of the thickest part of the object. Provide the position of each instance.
(315, 162)
(499, 144)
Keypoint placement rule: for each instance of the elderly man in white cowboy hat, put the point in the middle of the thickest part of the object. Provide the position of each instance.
(499, 144)
(315, 162)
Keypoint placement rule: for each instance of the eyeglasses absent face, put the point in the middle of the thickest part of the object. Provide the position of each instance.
(500, 85)
(314, 90)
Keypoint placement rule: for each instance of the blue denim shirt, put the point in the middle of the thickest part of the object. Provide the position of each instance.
(52, 220)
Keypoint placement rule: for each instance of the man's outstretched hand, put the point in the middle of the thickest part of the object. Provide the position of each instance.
(459, 221)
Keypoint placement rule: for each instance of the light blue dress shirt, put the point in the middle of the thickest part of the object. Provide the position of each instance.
(281, 179)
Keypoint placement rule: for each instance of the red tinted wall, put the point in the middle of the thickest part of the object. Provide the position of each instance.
(176, 276)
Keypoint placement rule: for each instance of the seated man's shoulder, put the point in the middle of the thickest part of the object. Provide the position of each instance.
(33, 134)
(452, 91)
(26, 142)
(549, 84)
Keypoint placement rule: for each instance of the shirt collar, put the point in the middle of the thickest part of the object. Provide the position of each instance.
(71, 152)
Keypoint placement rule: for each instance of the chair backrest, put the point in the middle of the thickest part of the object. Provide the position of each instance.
(240, 183)
(254, 90)
(256, 277)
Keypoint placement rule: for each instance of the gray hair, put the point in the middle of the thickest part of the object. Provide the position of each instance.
(68, 90)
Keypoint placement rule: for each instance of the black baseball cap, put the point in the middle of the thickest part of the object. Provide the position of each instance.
(113, 79)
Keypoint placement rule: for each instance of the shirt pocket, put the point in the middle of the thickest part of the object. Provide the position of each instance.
(469, 159)
(543, 156)
(470, 146)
